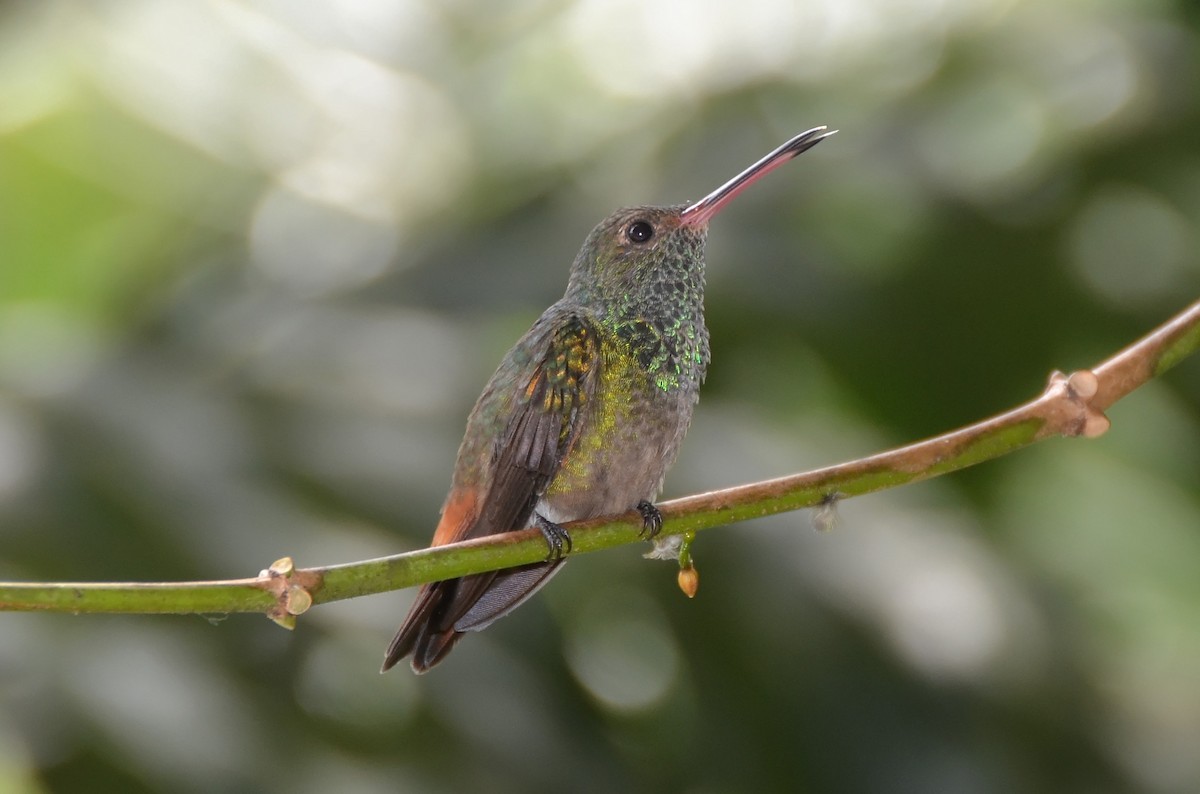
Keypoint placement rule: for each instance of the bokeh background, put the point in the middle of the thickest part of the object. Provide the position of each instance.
(258, 258)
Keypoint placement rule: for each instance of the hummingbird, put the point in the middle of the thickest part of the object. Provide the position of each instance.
(586, 413)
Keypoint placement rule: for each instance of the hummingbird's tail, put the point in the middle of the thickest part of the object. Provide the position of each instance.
(418, 635)
(443, 611)
(506, 592)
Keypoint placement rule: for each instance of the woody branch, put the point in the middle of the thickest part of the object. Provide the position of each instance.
(1070, 405)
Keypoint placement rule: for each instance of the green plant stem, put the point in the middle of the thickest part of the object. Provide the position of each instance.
(1069, 406)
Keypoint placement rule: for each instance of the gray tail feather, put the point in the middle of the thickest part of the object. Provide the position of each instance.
(508, 591)
(426, 633)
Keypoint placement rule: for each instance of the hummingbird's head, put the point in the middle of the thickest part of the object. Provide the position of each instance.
(636, 248)
(636, 253)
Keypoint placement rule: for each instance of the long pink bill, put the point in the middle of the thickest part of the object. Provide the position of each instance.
(702, 211)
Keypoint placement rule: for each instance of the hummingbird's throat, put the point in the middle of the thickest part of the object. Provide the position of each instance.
(664, 330)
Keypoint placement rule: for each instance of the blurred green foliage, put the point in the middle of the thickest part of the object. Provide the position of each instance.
(257, 259)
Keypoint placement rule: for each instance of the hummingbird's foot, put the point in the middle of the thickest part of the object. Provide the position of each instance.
(558, 541)
(652, 520)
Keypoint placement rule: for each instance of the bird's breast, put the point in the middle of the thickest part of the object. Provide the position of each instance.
(631, 431)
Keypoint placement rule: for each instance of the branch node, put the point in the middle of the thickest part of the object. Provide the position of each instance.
(1071, 410)
(292, 589)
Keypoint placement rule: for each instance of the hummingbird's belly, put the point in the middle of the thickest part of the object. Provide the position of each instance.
(630, 438)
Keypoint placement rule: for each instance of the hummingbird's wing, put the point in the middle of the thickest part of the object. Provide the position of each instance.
(546, 405)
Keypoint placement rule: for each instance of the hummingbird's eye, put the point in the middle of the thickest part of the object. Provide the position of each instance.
(639, 232)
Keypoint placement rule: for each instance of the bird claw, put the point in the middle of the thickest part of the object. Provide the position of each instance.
(652, 520)
(558, 540)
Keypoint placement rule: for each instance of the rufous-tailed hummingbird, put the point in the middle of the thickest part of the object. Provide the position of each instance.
(586, 413)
